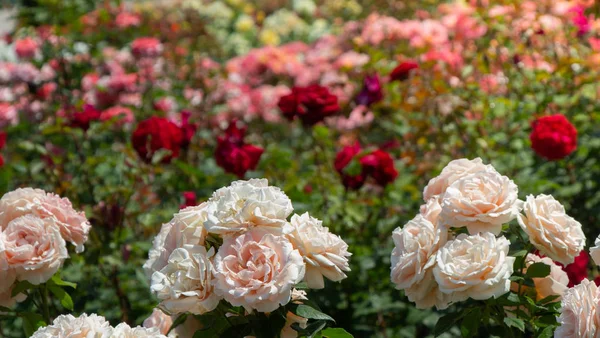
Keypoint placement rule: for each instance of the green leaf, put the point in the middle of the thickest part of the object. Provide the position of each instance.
(31, 322)
(470, 324)
(56, 280)
(311, 313)
(546, 333)
(515, 322)
(22, 286)
(538, 270)
(65, 299)
(335, 333)
(548, 299)
(446, 322)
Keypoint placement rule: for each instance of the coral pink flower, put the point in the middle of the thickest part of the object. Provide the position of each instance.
(127, 19)
(26, 48)
(122, 115)
(146, 47)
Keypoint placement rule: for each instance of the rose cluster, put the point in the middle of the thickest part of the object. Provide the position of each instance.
(355, 166)
(449, 252)
(93, 326)
(34, 228)
(240, 246)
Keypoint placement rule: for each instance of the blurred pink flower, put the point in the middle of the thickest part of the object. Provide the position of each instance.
(26, 48)
(146, 47)
(8, 115)
(122, 115)
(359, 117)
(127, 19)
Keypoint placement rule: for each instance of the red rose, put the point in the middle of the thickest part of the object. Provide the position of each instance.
(553, 137)
(342, 159)
(402, 71)
(83, 118)
(157, 133)
(2, 144)
(310, 104)
(578, 270)
(235, 156)
(377, 164)
(189, 198)
(188, 129)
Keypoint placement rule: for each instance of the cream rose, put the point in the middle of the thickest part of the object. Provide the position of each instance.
(73, 225)
(88, 326)
(426, 293)
(476, 266)
(431, 210)
(482, 202)
(550, 229)
(415, 248)
(578, 311)
(7, 300)
(247, 204)
(291, 319)
(159, 320)
(186, 227)
(453, 171)
(184, 284)
(125, 331)
(257, 270)
(595, 251)
(33, 248)
(556, 283)
(324, 253)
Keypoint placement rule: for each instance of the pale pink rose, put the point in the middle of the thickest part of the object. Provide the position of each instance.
(122, 115)
(6, 72)
(159, 320)
(579, 311)
(184, 284)
(146, 47)
(33, 248)
(595, 251)
(291, 319)
(476, 266)
(351, 60)
(26, 48)
(431, 210)
(553, 232)
(165, 104)
(76, 327)
(555, 284)
(426, 294)
(8, 115)
(88, 82)
(453, 171)
(7, 300)
(257, 270)
(26, 72)
(325, 254)
(186, 227)
(415, 249)
(127, 19)
(73, 225)
(125, 331)
(481, 202)
(359, 117)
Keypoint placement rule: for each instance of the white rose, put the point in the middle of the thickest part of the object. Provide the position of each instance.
(415, 248)
(475, 266)
(595, 251)
(431, 210)
(186, 227)
(426, 293)
(125, 331)
(453, 171)
(33, 248)
(482, 202)
(578, 312)
(246, 204)
(92, 326)
(159, 320)
(257, 270)
(325, 254)
(184, 284)
(73, 225)
(550, 229)
(555, 284)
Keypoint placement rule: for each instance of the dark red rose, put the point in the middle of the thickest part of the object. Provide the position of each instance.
(189, 199)
(310, 104)
(82, 119)
(2, 144)
(553, 137)
(402, 71)
(371, 91)
(188, 129)
(597, 280)
(154, 134)
(379, 165)
(578, 270)
(342, 160)
(233, 154)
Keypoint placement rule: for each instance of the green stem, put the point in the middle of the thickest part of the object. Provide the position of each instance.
(45, 308)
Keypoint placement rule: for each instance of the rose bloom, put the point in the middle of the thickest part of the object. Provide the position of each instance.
(555, 284)
(247, 204)
(83, 326)
(451, 173)
(8, 115)
(122, 115)
(159, 320)
(342, 160)
(83, 119)
(426, 293)
(125, 331)
(550, 229)
(154, 134)
(6, 298)
(578, 311)
(33, 248)
(324, 253)
(146, 47)
(73, 225)
(379, 165)
(26, 48)
(184, 284)
(291, 319)
(476, 266)
(127, 19)
(257, 270)
(371, 92)
(415, 249)
(553, 137)
(233, 154)
(310, 104)
(186, 227)
(403, 71)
